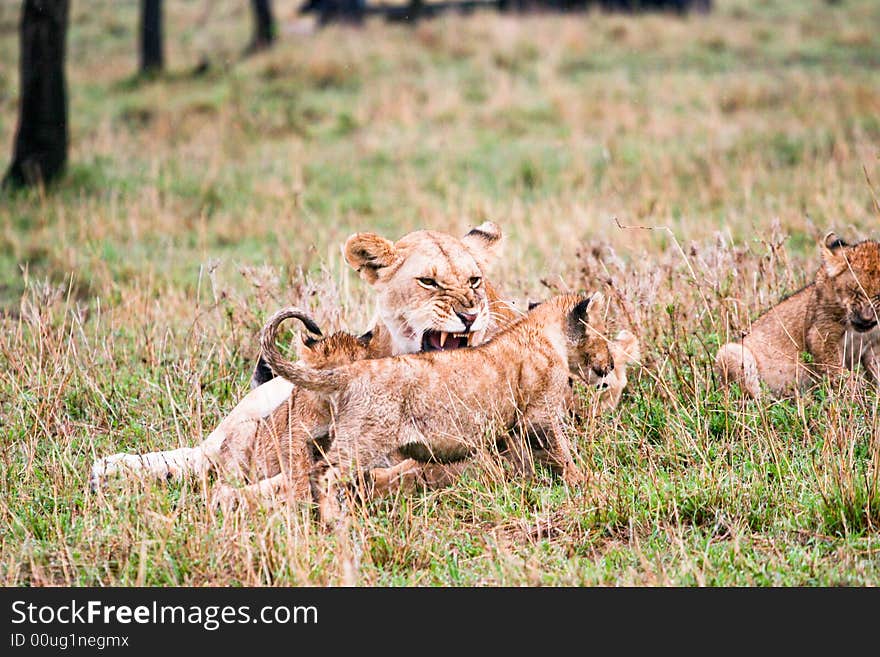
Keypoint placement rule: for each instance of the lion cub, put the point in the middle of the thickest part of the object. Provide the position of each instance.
(442, 406)
(284, 440)
(827, 327)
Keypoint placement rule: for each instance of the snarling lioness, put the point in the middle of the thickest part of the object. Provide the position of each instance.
(444, 406)
(827, 328)
(432, 294)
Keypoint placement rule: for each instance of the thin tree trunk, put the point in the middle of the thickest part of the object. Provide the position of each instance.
(40, 151)
(152, 58)
(415, 8)
(264, 25)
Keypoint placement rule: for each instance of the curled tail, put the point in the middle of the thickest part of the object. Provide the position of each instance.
(324, 381)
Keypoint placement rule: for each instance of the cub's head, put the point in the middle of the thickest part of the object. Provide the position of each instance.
(432, 292)
(589, 357)
(850, 278)
(315, 350)
(337, 349)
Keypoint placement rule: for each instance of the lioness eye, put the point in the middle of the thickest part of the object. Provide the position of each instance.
(429, 283)
(476, 281)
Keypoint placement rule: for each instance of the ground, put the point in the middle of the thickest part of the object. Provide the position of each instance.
(686, 165)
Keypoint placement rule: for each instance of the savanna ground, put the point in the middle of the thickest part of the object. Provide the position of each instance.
(196, 204)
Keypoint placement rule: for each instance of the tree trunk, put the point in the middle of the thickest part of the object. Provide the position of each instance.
(152, 58)
(264, 25)
(41, 139)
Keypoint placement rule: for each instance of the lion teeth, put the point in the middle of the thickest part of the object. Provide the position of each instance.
(443, 336)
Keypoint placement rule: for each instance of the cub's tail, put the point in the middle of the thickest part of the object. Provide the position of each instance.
(324, 381)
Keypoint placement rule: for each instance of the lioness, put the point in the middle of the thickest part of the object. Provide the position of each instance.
(432, 295)
(443, 406)
(825, 328)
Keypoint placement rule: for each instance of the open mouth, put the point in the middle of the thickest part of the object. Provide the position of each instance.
(861, 325)
(442, 340)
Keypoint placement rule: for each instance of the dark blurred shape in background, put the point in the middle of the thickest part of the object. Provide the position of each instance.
(353, 11)
(152, 59)
(264, 26)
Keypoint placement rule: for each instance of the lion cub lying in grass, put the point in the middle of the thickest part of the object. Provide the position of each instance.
(443, 406)
(828, 327)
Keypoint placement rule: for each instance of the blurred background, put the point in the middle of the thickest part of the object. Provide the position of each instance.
(267, 144)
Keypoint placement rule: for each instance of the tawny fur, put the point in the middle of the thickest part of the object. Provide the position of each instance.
(827, 328)
(444, 406)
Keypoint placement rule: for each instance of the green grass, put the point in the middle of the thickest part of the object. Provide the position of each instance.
(131, 292)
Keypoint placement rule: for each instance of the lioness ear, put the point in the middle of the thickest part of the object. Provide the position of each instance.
(585, 312)
(368, 253)
(484, 243)
(832, 254)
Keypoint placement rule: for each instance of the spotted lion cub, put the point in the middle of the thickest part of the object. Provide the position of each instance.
(443, 406)
(287, 441)
(826, 328)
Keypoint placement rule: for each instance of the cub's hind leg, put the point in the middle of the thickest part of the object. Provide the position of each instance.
(404, 476)
(736, 363)
(410, 475)
(353, 455)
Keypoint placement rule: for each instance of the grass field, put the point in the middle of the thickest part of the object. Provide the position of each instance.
(131, 293)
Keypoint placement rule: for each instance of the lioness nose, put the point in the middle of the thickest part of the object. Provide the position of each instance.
(467, 319)
(603, 371)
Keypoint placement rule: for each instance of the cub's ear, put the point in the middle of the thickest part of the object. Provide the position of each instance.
(365, 339)
(484, 243)
(831, 241)
(306, 350)
(833, 255)
(309, 341)
(587, 311)
(367, 253)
